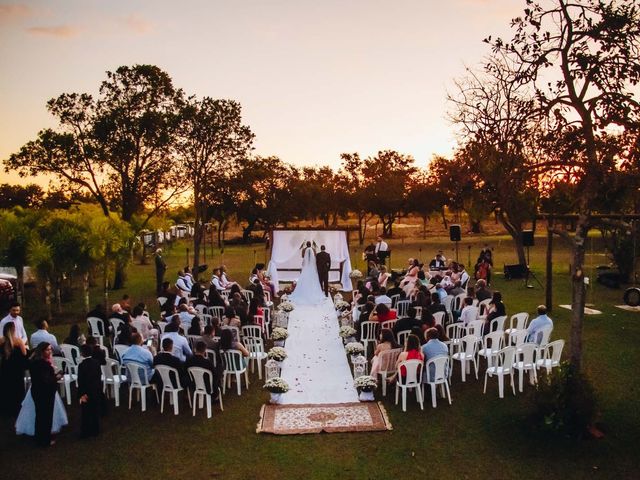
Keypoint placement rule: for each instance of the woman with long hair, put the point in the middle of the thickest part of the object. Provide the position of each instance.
(387, 342)
(228, 343)
(75, 338)
(495, 309)
(42, 412)
(13, 363)
(410, 278)
(215, 299)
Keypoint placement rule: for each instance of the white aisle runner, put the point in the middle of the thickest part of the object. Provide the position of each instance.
(316, 366)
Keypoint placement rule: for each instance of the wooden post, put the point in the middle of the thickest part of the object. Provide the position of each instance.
(549, 283)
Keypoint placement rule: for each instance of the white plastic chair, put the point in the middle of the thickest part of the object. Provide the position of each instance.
(138, 381)
(162, 301)
(518, 337)
(62, 364)
(206, 318)
(475, 328)
(253, 331)
(387, 361)
(466, 355)
(502, 367)
(394, 300)
(119, 351)
(497, 324)
(492, 343)
(248, 295)
(417, 313)
(260, 321)
(96, 327)
(551, 354)
(440, 367)
(448, 304)
(402, 308)
(482, 308)
(72, 354)
(212, 357)
(525, 361)
(169, 375)
(162, 326)
(411, 381)
(402, 337)
(458, 300)
(439, 318)
(202, 377)
(193, 339)
(369, 335)
(256, 353)
(217, 312)
(521, 320)
(388, 324)
(201, 308)
(234, 367)
(112, 378)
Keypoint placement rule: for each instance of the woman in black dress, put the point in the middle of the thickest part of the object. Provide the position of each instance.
(13, 363)
(44, 384)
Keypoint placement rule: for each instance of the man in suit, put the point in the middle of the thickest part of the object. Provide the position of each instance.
(323, 261)
(161, 267)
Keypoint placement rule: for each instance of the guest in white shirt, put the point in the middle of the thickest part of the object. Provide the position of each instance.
(183, 285)
(383, 298)
(534, 331)
(185, 316)
(215, 280)
(224, 280)
(143, 325)
(43, 335)
(469, 312)
(181, 347)
(14, 316)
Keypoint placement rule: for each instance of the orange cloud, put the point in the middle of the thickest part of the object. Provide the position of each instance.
(14, 12)
(61, 31)
(138, 24)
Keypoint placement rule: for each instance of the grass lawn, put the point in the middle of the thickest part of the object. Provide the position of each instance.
(478, 436)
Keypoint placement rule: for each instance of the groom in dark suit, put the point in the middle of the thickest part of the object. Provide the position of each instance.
(323, 261)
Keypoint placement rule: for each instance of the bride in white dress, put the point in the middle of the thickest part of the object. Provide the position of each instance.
(308, 290)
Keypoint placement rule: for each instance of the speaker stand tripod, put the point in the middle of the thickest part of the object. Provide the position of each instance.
(530, 274)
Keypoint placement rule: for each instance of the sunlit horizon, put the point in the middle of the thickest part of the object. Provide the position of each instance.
(314, 79)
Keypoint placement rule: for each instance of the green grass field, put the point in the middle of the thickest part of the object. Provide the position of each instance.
(478, 436)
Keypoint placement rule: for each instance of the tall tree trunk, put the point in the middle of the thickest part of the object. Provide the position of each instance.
(47, 298)
(105, 279)
(444, 218)
(578, 290)
(120, 276)
(198, 235)
(362, 227)
(59, 295)
(20, 282)
(246, 231)
(424, 226)
(85, 291)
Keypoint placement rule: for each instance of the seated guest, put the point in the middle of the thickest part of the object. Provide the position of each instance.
(417, 331)
(406, 323)
(143, 325)
(382, 313)
(167, 358)
(200, 300)
(181, 348)
(363, 293)
(396, 290)
(215, 299)
(231, 318)
(411, 351)
(256, 307)
(125, 303)
(372, 270)
(216, 323)
(383, 277)
(496, 309)
(422, 279)
(436, 305)
(207, 337)
(469, 312)
(75, 338)
(183, 285)
(432, 349)
(438, 262)
(225, 281)
(118, 312)
(215, 281)
(410, 278)
(534, 331)
(241, 308)
(200, 359)
(383, 298)
(456, 289)
(227, 342)
(98, 312)
(138, 354)
(441, 292)
(43, 335)
(387, 342)
(365, 316)
(442, 335)
(196, 327)
(482, 292)
(126, 329)
(185, 316)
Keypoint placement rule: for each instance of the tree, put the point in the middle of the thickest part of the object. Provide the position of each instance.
(119, 147)
(29, 196)
(582, 57)
(318, 195)
(387, 186)
(423, 198)
(351, 181)
(212, 139)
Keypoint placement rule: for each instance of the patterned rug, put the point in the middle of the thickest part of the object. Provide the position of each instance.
(340, 417)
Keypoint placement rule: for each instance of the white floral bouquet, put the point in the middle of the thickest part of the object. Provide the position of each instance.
(286, 306)
(365, 383)
(284, 298)
(347, 331)
(355, 274)
(276, 385)
(337, 297)
(342, 306)
(279, 333)
(277, 353)
(354, 348)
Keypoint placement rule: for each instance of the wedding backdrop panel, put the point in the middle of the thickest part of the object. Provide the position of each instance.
(286, 254)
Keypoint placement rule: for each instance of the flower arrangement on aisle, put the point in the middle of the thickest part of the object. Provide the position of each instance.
(277, 353)
(355, 274)
(347, 331)
(354, 348)
(276, 385)
(365, 383)
(279, 333)
(342, 306)
(286, 306)
(284, 298)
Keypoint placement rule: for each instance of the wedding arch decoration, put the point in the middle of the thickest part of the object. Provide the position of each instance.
(286, 257)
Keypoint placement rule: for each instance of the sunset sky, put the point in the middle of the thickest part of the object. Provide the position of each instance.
(315, 78)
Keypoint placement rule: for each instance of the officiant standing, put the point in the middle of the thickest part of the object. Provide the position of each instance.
(323, 262)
